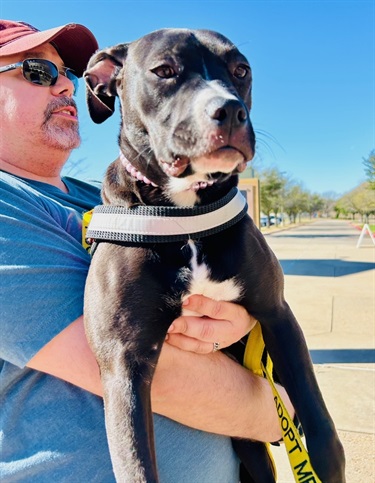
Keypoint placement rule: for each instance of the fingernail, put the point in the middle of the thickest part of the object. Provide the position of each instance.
(171, 328)
(185, 302)
(167, 337)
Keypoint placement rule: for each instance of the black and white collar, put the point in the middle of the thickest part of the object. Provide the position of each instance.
(161, 224)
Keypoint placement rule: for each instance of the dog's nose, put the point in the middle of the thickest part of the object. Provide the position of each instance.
(227, 112)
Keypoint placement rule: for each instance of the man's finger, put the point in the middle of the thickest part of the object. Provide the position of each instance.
(189, 344)
(202, 328)
(215, 309)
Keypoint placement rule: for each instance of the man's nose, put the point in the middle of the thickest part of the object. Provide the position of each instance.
(63, 86)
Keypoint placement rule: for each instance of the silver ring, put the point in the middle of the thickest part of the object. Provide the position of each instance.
(216, 346)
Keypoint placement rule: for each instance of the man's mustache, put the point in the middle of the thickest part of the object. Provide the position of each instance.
(57, 104)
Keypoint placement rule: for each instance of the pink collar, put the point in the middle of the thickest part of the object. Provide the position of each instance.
(134, 172)
(198, 185)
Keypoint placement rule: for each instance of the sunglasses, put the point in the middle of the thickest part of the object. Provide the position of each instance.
(41, 72)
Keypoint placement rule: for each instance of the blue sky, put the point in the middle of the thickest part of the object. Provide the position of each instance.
(313, 66)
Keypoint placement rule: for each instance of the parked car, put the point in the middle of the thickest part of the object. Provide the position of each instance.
(263, 221)
(273, 219)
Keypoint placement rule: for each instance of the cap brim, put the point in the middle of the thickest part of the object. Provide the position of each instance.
(74, 43)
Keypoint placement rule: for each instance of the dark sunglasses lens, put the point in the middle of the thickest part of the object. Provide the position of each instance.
(40, 72)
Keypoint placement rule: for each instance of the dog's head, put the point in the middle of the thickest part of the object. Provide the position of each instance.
(185, 97)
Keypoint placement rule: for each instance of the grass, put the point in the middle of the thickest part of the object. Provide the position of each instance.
(361, 225)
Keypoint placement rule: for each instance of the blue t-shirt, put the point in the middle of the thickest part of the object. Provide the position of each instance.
(51, 430)
(47, 425)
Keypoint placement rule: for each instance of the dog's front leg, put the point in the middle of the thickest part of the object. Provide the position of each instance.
(126, 329)
(128, 418)
(287, 347)
(127, 366)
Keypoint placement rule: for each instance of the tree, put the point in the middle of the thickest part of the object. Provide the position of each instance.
(369, 165)
(272, 183)
(361, 200)
(315, 204)
(295, 201)
(75, 167)
(329, 202)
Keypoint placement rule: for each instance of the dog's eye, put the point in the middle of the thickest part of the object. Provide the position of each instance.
(164, 71)
(241, 71)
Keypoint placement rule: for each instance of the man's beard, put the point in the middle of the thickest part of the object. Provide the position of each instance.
(59, 133)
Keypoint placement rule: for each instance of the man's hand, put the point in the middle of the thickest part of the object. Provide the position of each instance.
(222, 322)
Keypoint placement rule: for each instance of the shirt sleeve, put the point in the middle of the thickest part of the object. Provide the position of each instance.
(43, 269)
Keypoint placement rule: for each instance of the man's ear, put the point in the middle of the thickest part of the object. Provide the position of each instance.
(100, 77)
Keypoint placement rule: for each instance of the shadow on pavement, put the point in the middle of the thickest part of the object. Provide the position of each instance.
(324, 267)
(309, 235)
(324, 356)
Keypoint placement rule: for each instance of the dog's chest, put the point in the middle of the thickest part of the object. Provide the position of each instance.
(201, 282)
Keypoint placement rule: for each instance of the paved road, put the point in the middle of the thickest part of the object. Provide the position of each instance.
(330, 286)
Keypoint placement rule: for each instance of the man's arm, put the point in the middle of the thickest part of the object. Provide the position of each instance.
(205, 391)
(215, 394)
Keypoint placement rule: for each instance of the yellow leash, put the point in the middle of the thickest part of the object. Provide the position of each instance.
(86, 218)
(297, 453)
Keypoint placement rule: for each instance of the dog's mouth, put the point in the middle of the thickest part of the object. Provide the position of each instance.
(224, 160)
(176, 167)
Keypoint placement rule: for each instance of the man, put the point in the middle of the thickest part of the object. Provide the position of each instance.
(52, 413)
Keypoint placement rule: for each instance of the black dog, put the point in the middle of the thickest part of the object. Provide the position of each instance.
(185, 98)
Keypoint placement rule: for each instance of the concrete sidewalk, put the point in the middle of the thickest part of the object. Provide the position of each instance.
(330, 286)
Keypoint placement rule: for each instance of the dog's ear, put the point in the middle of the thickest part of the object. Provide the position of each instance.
(100, 77)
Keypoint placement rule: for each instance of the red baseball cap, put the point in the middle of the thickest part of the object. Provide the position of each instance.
(74, 43)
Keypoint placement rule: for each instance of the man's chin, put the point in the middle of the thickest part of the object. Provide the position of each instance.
(63, 138)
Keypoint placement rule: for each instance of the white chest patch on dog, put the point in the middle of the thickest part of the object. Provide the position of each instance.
(180, 189)
(200, 283)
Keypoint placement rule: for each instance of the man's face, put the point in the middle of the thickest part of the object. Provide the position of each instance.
(44, 116)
